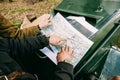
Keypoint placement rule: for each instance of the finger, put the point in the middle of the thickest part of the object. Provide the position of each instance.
(60, 42)
(72, 54)
(49, 22)
(59, 52)
(62, 48)
(48, 16)
(72, 51)
(67, 48)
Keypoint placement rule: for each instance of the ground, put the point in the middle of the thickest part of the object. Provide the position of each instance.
(16, 10)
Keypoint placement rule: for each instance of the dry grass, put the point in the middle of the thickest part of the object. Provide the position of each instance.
(16, 10)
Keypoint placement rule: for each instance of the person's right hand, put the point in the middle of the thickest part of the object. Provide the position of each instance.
(65, 54)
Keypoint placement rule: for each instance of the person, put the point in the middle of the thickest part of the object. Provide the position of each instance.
(13, 50)
(9, 30)
(31, 63)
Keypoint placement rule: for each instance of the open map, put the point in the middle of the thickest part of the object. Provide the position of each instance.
(74, 39)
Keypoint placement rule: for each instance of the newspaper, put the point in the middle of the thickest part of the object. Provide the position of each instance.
(80, 23)
(75, 39)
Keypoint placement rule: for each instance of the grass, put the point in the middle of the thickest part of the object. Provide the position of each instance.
(20, 9)
(17, 22)
(16, 10)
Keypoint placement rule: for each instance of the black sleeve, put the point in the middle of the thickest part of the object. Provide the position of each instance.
(64, 71)
(26, 46)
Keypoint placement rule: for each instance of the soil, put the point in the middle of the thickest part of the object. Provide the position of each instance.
(16, 10)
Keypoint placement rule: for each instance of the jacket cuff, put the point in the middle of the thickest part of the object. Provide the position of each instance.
(36, 29)
(66, 66)
(44, 40)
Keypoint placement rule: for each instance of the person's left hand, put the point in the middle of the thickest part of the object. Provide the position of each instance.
(55, 40)
(43, 21)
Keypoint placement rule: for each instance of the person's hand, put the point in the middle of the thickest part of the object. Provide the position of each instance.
(43, 21)
(65, 54)
(55, 40)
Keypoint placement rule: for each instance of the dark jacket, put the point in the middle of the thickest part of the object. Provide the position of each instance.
(64, 71)
(18, 49)
(12, 51)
